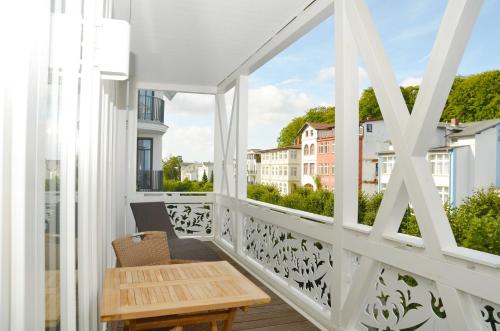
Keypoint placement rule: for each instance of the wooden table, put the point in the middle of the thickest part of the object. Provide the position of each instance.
(176, 295)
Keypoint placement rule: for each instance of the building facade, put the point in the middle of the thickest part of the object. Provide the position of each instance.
(254, 166)
(464, 158)
(309, 148)
(280, 167)
(150, 131)
(318, 156)
(196, 170)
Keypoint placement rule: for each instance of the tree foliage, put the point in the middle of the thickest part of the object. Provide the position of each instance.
(289, 133)
(472, 98)
(172, 168)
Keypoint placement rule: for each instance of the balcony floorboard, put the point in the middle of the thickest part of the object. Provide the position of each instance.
(276, 316)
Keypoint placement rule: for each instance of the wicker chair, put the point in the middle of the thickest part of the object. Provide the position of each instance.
(144, 248)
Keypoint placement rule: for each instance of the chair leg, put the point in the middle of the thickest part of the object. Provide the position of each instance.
(213, 326)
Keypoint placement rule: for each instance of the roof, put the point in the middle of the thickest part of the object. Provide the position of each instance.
(435, 149)
(254, 150)
(473, 128)
(281, 148)
(201, 43)
(317, 126)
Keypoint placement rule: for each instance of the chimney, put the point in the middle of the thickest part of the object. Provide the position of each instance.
(455, 122)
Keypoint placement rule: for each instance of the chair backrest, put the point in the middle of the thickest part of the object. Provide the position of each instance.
(143, 248)
(153, 216)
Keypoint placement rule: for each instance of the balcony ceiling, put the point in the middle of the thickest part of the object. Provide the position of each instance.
(199, 42)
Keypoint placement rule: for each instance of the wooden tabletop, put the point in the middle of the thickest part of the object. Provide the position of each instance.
(152, 291)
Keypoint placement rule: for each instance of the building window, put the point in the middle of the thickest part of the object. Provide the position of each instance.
(293, 155)
(306, 168)
(312, 133)
(306, 150)
(307, 133)
(369, 128)
(285, 171)
(332, 148)
(333, 169)
(144, 163)
(311, 169)
(311, 150)
(388, 164)
(443, 193)
(440, 164)
(294, 171)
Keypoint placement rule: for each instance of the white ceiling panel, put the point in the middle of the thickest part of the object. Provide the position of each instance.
(199, 42)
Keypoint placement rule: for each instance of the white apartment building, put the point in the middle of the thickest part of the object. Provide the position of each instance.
(375, 139)
(280, 167)
(196, 170)
(467, 160)
(254, 166)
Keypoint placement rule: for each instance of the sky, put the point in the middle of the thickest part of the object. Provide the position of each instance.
(303, 75)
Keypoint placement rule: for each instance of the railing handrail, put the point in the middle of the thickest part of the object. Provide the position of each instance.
(150, 108)
(300, 213)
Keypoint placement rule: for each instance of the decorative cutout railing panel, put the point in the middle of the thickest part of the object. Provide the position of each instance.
(303, 262)
(227, 229)
(191, 219)
(489, 314)
(402, 301)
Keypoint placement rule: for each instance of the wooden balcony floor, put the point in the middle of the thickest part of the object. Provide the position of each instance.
(276, 316)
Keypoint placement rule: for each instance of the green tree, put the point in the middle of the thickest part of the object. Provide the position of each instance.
(474, 98)
(289, 134)
(204, 178)
(172, 168)
(212, 176)
(368, 104)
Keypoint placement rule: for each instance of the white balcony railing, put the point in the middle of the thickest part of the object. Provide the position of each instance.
(291, 252)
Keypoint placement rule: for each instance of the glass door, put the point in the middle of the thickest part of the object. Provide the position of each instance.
(144, 163)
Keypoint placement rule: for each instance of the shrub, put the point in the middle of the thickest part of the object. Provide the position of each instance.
(476, 222)
(172, 185)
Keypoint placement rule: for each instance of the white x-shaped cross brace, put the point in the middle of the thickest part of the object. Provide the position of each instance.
(231, 141)
(411, 178)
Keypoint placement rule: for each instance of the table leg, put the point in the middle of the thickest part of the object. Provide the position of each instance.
(213, 326)
(132, 325)
(228, 325)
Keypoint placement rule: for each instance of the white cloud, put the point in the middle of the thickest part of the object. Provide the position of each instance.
(289, 81)
(189, 104)
(270, 104)
(326, 73)
(411, 81)
(194, 143)
(329, 73)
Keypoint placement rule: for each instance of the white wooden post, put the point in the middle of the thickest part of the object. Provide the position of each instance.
(241, 153)
(346, 151)
(220, 131)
